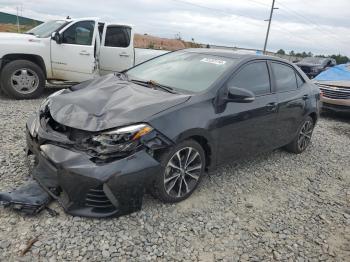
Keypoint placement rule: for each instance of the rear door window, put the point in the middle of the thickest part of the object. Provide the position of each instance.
(118, 36)
(254, 77)
(285, 77)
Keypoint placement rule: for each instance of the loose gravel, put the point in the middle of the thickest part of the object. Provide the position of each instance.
(278, 206)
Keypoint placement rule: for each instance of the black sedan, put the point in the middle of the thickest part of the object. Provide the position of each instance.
(161, 125)
(312, 66)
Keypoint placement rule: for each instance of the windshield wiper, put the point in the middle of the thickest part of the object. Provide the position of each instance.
(152, 83)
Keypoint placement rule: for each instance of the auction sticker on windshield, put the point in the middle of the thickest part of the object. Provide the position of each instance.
(213, 61)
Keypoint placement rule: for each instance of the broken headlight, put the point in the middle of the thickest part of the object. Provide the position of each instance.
(118, 142)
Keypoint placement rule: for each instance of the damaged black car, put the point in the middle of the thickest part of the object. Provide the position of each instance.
(160, 126)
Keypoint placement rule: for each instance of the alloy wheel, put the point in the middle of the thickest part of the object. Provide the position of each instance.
(182, 172)
(25, 80)
(304, 137)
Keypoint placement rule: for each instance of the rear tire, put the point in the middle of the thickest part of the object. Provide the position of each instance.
(22, 79)
(303, 137)
(182, 170)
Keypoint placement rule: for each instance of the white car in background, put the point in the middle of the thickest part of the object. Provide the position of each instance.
(70, 50)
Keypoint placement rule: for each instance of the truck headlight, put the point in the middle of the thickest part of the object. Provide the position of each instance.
(125, 139)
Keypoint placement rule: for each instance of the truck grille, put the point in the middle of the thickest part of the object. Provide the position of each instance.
(338, 93)
(97, 199)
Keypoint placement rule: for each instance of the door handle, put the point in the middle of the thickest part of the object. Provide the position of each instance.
(124, 55)
(84, 53)
(271, 106)
(305, 97)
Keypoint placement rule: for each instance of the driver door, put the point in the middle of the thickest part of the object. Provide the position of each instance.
(75, 58)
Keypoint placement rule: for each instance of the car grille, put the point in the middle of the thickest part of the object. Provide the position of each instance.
(97, 199)
(335, 93)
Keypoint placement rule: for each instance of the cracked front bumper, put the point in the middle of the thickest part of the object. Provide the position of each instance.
(85, 188)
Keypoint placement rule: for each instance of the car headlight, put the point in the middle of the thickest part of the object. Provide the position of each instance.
(34, 127)
(121, 140)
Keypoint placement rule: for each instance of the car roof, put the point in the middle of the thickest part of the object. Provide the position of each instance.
(232, 54)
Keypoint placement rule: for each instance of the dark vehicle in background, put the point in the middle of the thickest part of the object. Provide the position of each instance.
(312, 66)
(162, 124)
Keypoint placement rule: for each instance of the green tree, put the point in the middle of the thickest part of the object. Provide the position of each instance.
(281, 52)
(340, 59)
(291, 53)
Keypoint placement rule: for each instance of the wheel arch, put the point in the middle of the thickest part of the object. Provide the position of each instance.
(314, 116)
(202, 137)
(38, 60)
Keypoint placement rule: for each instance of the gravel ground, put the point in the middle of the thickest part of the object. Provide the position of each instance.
(278, 206)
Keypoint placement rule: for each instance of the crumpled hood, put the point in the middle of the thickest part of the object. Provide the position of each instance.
(109, 102)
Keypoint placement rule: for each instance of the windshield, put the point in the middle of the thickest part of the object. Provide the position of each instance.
(47, 28)
(313, 60)
(181, 70)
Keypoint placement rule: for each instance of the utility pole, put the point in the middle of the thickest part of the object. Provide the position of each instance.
(268, 27)
(17, 19)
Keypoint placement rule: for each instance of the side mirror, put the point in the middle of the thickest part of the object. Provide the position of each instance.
(57, 37)
(239, 95)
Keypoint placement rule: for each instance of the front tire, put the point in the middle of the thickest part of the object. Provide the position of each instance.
(303, 138)
(22, 79)
(182, 169)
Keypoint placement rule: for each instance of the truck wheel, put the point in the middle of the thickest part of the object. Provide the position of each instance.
(22, 79)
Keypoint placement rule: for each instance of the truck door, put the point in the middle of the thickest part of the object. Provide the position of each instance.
(74, 57)
(117, 49)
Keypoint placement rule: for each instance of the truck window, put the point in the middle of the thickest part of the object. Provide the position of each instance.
(80, 33)
(118, 36)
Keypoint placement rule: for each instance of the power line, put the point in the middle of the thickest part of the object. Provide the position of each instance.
(229, 12)
(299, 17)
(309, 21)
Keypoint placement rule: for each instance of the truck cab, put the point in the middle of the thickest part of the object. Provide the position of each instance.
(68, 49)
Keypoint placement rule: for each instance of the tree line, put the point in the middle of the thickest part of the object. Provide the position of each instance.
(339, 58)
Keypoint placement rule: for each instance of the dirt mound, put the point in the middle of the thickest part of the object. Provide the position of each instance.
(13, 28)
(154, 42)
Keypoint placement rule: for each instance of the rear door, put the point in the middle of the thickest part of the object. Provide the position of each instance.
(117, 49)
(74, 58)
(246, 129)
(292, 95)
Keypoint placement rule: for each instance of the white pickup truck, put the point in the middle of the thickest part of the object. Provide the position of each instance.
(69, 49)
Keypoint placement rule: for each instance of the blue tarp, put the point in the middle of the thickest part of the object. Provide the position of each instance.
(336, 73)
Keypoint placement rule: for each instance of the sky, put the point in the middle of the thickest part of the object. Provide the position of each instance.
(319, 26)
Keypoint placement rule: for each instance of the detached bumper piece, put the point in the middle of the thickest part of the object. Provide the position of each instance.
(29, 199)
